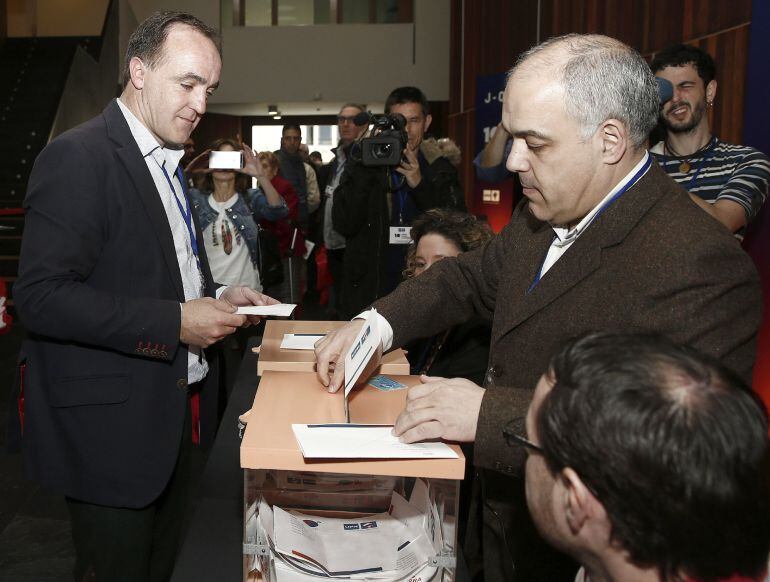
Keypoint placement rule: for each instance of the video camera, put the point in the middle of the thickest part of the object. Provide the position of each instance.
(387, 141)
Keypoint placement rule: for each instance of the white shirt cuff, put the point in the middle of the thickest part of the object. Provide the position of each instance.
(386, 332)
(219, 291)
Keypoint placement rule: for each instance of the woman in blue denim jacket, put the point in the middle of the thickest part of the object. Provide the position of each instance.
(228, 213)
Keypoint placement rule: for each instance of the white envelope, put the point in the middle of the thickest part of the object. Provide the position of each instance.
(362, 441)
(278, 310)
(300, 341)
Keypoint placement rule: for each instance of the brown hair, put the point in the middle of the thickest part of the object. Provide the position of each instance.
(270, 158)
(242, 181)
(464, 230)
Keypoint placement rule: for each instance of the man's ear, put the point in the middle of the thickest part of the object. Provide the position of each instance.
(428, 119)
(613, 136)
(579, 502)
(711, 91)
(137, 69)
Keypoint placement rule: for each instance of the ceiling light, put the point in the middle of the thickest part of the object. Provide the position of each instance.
(272, 110)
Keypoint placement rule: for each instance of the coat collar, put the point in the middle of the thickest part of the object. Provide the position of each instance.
(583, 258)
(131, 157)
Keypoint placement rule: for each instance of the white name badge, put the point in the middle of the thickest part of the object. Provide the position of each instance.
(399, 235)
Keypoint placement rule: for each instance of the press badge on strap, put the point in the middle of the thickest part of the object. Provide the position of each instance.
(399, 235)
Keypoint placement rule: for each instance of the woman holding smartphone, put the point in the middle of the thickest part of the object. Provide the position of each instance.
(228, 212)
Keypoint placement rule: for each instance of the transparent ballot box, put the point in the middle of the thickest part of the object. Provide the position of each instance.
(273, 357)
(341, 519)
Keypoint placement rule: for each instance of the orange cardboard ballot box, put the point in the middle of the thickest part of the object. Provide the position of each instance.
(273, 357)
(277, 475)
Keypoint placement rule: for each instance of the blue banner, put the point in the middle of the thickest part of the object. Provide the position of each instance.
(489, 106)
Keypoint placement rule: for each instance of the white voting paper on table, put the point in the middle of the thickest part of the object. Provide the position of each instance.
(362, 441)
(300, 341)
(277, 310)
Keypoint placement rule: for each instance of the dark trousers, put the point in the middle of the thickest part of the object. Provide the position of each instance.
(117, 544)
(334, 258)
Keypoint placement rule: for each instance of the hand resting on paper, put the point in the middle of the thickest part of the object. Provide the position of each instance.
(330, 354)
(446, 408)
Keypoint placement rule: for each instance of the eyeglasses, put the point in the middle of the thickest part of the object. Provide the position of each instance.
(345, 118)
(514, 435)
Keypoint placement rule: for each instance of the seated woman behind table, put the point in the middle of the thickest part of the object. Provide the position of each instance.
(462, 351)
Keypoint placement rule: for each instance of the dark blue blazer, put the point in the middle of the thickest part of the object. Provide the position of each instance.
(99, 290)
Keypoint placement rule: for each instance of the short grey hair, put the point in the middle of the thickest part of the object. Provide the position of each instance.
(359, 106)
(602, 79)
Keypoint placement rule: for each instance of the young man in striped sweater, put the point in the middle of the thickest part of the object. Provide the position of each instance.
(728, 181)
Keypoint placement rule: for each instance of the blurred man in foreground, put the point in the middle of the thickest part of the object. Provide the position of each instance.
(647, 461)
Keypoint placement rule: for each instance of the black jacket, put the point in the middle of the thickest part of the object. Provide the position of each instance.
(99, 291)
(361, 214)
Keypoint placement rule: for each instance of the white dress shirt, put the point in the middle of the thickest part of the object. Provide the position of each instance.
(563, 239)
(156, 157)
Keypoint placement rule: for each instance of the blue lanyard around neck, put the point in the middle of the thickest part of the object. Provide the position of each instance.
(627, 186)
(185, 210)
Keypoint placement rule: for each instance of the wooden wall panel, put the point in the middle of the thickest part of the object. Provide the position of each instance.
(488, 35)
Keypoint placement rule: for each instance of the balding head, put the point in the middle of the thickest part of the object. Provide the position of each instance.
(671, 444)
(602, 79)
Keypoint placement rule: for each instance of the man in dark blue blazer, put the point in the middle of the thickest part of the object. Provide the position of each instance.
(115, 290)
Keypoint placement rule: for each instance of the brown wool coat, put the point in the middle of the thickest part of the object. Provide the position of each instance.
(653, 261)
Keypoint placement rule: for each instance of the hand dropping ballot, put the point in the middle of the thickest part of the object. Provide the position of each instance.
(366, 349)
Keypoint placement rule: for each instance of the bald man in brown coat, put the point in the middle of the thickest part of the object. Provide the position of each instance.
(603, 240)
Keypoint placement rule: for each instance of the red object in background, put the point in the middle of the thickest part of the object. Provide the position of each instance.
(195, 417)
(757, 244)
(5, 319)
(495, 201)
(323, 276)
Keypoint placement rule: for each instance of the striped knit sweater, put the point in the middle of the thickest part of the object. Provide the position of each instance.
(721, 171)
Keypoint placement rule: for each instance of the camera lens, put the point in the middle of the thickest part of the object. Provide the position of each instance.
(381, 150)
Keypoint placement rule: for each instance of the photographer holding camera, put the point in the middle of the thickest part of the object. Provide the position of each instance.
(388, 182)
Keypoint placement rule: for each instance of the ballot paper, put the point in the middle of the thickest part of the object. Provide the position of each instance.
(391, 546)
(364, 347)
(277, 310)
(300, 341)
(362, 441)
(421, 501)
(339, 546)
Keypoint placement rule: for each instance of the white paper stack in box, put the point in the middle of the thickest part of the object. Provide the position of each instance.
(414, 498)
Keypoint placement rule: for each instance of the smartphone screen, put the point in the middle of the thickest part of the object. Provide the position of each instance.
(226, 160)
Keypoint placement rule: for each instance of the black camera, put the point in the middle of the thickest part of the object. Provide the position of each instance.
(387, 142)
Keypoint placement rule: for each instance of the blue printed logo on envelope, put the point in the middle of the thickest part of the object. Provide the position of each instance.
(385, 384)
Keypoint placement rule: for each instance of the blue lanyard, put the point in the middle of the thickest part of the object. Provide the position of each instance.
(634, 179)
(706, 156)
(402, 194)
(185, 211)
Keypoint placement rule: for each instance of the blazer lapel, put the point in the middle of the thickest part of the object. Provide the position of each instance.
(129, 154)
(582, 258)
